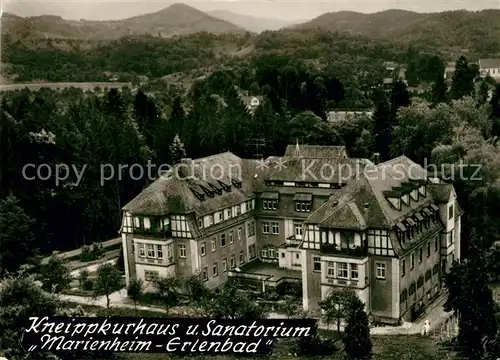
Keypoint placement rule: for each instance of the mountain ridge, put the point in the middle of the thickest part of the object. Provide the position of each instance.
(252, 23)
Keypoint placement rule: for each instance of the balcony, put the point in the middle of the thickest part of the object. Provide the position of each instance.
(154, 233)
(155, 261)
(358, 251)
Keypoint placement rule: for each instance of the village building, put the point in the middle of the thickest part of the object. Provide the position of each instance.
(313, 219)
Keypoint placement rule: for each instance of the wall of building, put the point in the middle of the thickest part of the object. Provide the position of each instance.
(311, 282)
(382, 297)
(163, 272)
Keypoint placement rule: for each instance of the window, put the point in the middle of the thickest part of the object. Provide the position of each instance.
(231, 236)
(182, 251)
(252, 251)
(264, 253)
(137, 222)
(204, 274)
(354, 271)
(380, 270)
(242, 257)
(436, 244)
(240, 233)
(142, 250)
(224, 265)
(428, 249)
(147, 223)
(151, 251)
(450, 238)
(213, 244)
(275, 228)
(238, 210)
(251, 228)
(419, 255)
(159, 252)
(151, 275)
(450, 212)
(203, 248)
(303, 206)
(411, 289)
(298, 231)
(219, 216)
(412, 261)
(420, 282)
(215, 269)
(169, 251)
(269, 205)
(200, 222)
(222, 240)
(403, 267)
(233, 261)
(316, 263)
(428, 275)
(342, 271)
(265, 227)
(272, 253)
(330, 269)
(435, 269)
(210, 219)
(228, 213)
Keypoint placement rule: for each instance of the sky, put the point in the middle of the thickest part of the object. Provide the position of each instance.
(275, 9)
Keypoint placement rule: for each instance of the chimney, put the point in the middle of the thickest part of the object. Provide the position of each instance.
(185, 169)
(365, 207)
(376, 158)
(297, 149)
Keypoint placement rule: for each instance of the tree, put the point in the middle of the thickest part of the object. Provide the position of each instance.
(135, 291)
(382, 130)
(493, 261)
(167, 291)
(177, 116)
(462, 83)
(196, 289)
(356, 338)
(439, 89)
(55, 275)
(177, 151)
(20, 298)
(482, 92)
(470, 297)
(400, 97)
(336, 305)
(229, 302)
(16, 235)
(108, 280)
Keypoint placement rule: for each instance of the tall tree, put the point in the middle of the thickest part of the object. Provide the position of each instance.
(470, 297)
(109, 280)
(357, 342)
(177, 151)
(16, 236)
(400, 97)
(462, 83)
(177, 116)
(439, 89)
(336, 306)
(383, 126)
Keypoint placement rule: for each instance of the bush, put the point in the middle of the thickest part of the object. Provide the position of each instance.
(315, 346)
(92, 253)
(88, 285)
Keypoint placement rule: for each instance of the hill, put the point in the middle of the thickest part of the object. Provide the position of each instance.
(175, 20)
(477, 31)
(252, 24)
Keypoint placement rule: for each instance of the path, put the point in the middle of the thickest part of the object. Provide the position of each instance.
(434, 314)
(91, 268)
(76, 252)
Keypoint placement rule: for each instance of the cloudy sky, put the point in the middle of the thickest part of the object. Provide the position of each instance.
(278, 9)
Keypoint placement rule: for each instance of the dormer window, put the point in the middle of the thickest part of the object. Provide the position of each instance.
(236, 183)
(303, 206)
(406, 199)
(200, 223)
(396, 202)
(210, 220)
(422, 190)
(197, 194)
(225, 187)
(303, 202)
(414, 195)
(269, 204)
(450, 212)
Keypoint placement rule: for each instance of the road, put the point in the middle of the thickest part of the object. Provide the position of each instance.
(63, 85)
(92, 268)
(77, 252)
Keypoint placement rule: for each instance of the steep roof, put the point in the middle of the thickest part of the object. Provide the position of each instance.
(173, 193)
(489, 64)
(368, 192)
(316, 151)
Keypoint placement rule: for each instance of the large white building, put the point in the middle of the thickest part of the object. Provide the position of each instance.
(313, 218)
